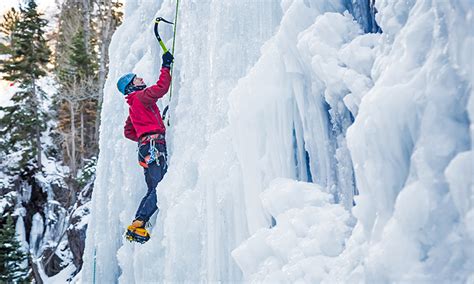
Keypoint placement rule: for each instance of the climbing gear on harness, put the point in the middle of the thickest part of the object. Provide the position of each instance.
(153, 152)
(153, 156)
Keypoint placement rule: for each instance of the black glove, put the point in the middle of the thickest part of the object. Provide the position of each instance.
(167, 60)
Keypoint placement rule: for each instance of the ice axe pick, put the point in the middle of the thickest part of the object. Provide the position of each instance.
(157, 35)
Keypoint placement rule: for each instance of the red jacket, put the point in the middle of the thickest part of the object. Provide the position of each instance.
(144, 115)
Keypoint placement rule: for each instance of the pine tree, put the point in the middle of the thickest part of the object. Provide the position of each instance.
(11, 255)
(81, 64)
(27, 56)
(76, 70)
(7, 26)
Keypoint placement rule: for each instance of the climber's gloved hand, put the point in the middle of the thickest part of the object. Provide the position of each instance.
(167, 60)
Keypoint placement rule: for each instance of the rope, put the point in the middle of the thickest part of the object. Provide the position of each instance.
(172, 51)
(175, 25)
(95, 257)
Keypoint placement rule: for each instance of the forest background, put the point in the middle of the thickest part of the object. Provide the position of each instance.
(52, 70)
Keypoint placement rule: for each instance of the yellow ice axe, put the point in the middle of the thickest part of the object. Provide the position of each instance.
(157, 35)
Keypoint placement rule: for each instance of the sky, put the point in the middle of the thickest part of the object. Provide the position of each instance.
(46, 6)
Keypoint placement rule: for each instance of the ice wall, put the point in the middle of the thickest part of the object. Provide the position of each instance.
(364, 13)
(411, 125)
(203, 215)
(280, 113)
(324, 61)
(409, 89)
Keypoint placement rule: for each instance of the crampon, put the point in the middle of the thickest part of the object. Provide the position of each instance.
(139, 235)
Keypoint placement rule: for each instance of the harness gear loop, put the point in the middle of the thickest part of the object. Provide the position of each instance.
(153, 152)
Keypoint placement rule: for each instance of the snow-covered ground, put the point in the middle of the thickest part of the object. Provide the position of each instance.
(281, 112)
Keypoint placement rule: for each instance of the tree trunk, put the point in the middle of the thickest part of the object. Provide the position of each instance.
(86, 23)
(81, 163)
(34, 267)
(38, 125)
(73, 138)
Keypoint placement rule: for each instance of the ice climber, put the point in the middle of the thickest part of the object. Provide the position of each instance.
(145, 126)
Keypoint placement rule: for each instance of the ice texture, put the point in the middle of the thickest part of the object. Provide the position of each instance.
(284, 115)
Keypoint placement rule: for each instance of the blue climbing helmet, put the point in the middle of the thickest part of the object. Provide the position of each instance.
(123, 82)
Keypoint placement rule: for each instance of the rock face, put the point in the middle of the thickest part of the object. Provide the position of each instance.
(51, 262)
(76, 238)
(51, 224)
(76, 232)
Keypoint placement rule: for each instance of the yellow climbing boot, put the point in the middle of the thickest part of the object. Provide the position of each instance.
(137, 233)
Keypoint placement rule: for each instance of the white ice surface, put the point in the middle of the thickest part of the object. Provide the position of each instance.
(266, 90)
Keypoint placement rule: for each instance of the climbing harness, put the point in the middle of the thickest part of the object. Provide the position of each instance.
(153, 153)
(144, 139)
(163, 47)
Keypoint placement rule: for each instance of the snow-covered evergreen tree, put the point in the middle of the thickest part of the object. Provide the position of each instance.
(23, 122)
(12, 256)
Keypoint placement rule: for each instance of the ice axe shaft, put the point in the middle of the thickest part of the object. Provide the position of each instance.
(157, 35)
